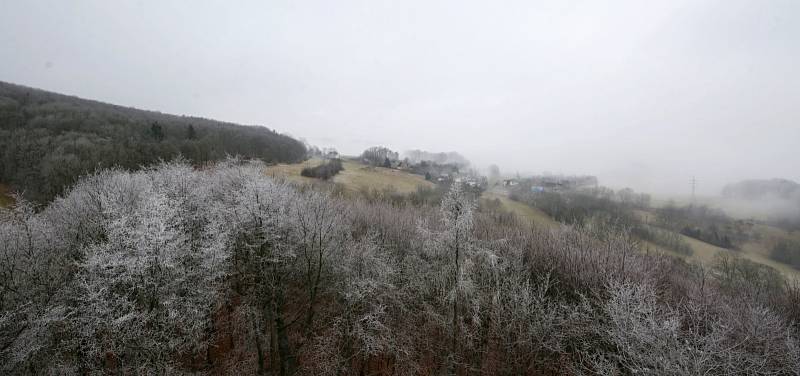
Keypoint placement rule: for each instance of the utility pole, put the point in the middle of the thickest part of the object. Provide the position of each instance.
(694, 185)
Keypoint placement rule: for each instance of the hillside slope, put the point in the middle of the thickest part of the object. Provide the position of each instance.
(524, 211)
(358, 176)
(755, 249)
(48, 140)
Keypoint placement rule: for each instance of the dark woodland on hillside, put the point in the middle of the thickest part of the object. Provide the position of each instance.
(48, 140)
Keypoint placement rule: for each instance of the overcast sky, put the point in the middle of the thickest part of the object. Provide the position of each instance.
(640, 93)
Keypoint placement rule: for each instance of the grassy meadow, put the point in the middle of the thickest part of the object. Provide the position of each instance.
(523, 211)
(356, 176)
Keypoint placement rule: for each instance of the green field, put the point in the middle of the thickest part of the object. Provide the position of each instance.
(356, 176)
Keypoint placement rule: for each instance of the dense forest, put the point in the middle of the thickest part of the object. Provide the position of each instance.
(222, 270)
(48, 140)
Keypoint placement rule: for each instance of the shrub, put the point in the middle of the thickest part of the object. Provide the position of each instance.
(324, 171)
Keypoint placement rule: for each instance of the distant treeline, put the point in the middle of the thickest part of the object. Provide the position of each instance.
(48, 140)
(452, 158)
(710, 225)
(579, 206)
(583, 206)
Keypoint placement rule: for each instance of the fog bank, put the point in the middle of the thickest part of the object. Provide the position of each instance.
(641, 94)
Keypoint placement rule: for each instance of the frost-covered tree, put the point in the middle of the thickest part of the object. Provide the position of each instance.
(656, 339)
(456, 240)
(282, 240)
(174, 269)
(119, 261)
(159, 245)
(263, 262)
(451, 246)
(316, 224)
(34, 268)
(379, 156)
(363, 330)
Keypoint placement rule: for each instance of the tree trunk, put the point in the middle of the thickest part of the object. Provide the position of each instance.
(287, 358)
(454, 344)
(260, 351)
